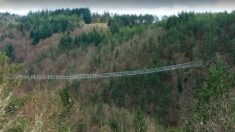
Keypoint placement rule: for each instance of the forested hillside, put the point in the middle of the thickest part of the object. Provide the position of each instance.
(76, 41)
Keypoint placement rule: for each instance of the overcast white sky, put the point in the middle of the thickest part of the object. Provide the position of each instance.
(156, 7)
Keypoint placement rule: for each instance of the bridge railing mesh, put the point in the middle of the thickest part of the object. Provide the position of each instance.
(105, 75)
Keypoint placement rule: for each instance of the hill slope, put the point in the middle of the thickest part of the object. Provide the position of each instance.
(181, 100)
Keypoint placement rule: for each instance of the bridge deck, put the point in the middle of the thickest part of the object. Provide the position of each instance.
(105, 75)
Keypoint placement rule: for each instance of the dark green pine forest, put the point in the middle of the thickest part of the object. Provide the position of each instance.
(77, 41)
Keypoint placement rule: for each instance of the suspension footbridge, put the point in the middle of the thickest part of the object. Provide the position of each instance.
(194, 64)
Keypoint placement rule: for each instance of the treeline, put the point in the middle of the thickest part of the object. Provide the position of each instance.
(9, 51)
(118, 21)
(199, 35)
(8, 19)
(44, 23)
(124, 19)
(91, 38)
(99, 37)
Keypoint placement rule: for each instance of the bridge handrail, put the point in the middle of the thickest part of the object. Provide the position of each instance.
(193, 64)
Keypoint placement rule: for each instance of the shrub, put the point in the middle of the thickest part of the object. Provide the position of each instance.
(16, 103)
(139, 121)
(113, 26)
(66, 42)
(9, 50)
(93, 37)
(66, 99)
